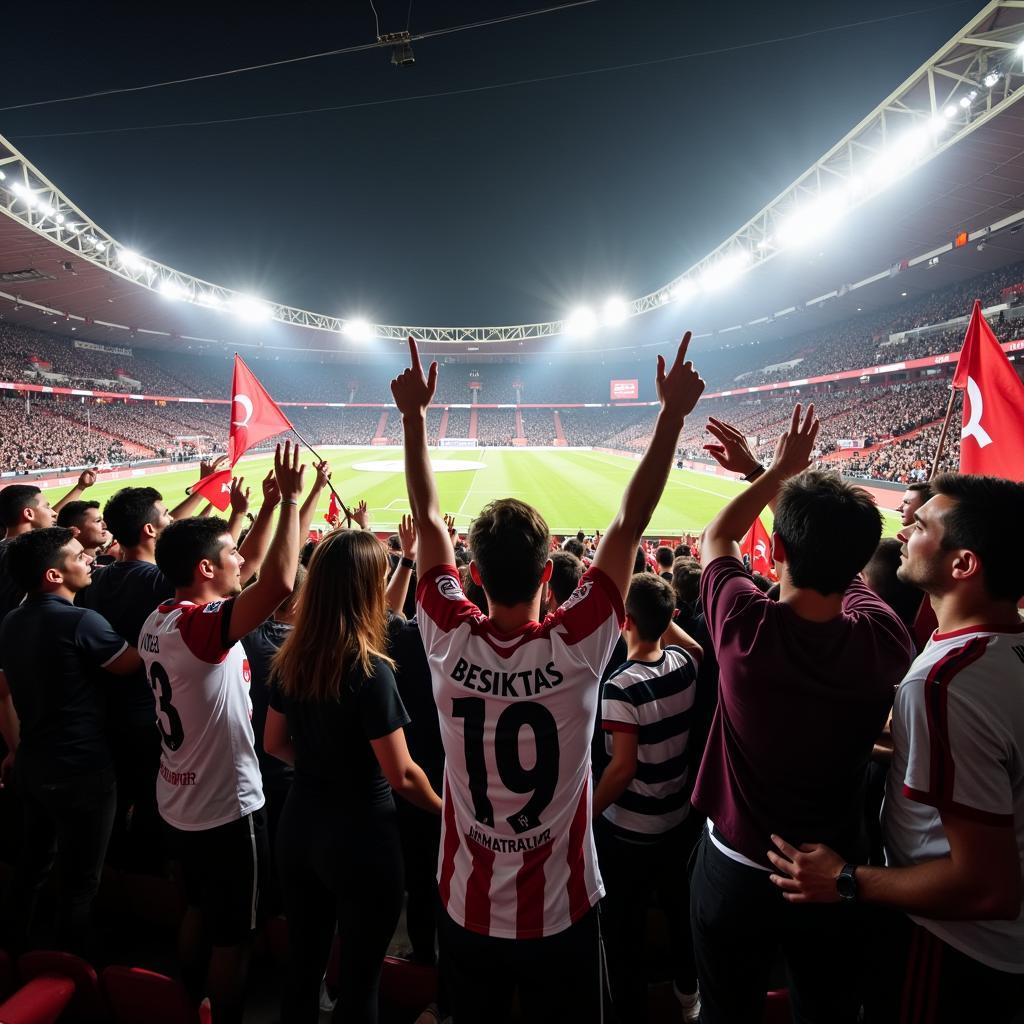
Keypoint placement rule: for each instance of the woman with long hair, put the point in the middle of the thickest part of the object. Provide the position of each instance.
(336, 715)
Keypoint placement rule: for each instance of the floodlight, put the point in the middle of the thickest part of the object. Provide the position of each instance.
(59, 218)
(131, 260)
(684, 290)
(580, 322)
(615, 310)
(46, 209)
(937, 124)
(812, 219)
(209, 299)
(724, 270)
(990, 79)
(248, 307)
(965, 102)
(101, 245)
(3, 177)
(949, 112)
(171, 289)
(357, 329)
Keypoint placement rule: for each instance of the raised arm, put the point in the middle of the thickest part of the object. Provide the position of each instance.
(723, 534)
(678, 391)
(277, 577)
(239, 500)
(413, 392)
(398, 585)
(187, 508)
(308, 509)
(85, 480)
(257, 540)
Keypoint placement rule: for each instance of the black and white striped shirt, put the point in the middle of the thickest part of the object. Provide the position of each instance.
(654, 700)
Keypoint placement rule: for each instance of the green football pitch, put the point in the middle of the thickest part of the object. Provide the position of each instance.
(575, 489)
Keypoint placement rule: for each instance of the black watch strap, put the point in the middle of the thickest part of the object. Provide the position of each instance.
(757, 471)
(407, 562)
(846, 883)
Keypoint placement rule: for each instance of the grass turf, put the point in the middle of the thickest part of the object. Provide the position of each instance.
(573, 489)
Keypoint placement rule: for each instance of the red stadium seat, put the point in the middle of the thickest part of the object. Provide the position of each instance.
(407, 986)
(137, 996)
(40, 1001)
(776, 1007)
(87, 1003)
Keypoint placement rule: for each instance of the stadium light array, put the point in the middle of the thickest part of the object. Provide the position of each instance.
(581, 322)
(357, 329)
(210, 299)
(249, 308)
(725, 270)
(684, 291)
(131, 260)
(171, 290)
(614, 311)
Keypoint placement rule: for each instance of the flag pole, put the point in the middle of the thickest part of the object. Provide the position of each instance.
(943, 432)
(344, 507)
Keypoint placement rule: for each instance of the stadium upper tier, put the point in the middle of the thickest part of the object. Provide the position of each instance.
(867, 340)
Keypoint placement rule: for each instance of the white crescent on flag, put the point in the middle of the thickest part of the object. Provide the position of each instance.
(246, 403)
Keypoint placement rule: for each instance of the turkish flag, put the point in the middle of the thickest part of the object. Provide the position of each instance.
(255, 416)
(215, 488)
(992, 436)
(757, 544)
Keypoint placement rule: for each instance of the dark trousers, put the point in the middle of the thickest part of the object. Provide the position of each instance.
(337, 870)
(636, 875)
(421, 840)
(741, 923)
(136, 842)
(916, 978)
(559, 978)
(67, 822)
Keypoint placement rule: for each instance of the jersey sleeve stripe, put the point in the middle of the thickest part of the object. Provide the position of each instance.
(530, 893)
(110, 661)
(478, 888)
(942, 766)
(610, 725)
(962, 810)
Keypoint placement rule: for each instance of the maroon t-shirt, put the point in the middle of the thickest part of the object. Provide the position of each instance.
(800, 705)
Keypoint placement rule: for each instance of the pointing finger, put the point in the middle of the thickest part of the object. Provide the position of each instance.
(681, 352)
(414, 354)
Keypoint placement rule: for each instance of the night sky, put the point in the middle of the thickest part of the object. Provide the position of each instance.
(499, 206)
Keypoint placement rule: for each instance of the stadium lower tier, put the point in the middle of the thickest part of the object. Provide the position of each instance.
(878, 431)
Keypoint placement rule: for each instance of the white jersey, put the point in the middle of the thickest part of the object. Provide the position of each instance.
(517, 714)
(958, 746)
(209, 773)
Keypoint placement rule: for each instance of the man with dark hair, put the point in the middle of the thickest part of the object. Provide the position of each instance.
(85, 520)
(683, 551)
(49, 651)
(575, 547)
(881, 574)
(208, 789)
(517, 879)
(952, 936)
(566, 571)
(642, 803)
(664, 557)
(805, 685)
(913, 498)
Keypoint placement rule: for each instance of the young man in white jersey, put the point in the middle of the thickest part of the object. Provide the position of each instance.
(209, 790)
(517, 875)
(951, 946)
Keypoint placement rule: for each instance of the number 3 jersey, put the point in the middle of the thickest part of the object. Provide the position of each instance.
(517, 712)
(209, 774)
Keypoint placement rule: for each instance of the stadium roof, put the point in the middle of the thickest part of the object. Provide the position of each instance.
(927, 190)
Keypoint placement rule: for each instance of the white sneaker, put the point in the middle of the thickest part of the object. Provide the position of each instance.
(327, 1004)
(690, 1004)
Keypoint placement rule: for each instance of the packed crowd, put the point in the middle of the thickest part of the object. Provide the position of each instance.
(289, 715)
(863, 341)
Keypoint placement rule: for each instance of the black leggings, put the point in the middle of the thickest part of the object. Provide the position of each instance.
(344, 870)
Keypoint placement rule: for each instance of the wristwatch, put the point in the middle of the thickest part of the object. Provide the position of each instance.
(846, 883)
(757, 471)
(407, 562)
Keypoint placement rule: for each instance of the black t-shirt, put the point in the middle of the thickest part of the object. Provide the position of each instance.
(126, 594)
(412, 674)
(10, 593)
(49, 652)
(333, 755)
(260, 647)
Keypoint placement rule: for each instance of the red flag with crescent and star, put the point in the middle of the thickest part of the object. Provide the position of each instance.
(215, 488)
(992, 436)
(255, 416)
(757, 544)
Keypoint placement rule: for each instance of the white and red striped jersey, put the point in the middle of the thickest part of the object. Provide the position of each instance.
(209, 773)
(958, 747)
(517, 714)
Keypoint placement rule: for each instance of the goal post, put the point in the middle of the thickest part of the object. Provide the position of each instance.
(458, 442)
